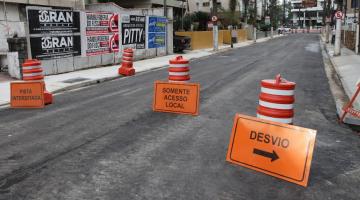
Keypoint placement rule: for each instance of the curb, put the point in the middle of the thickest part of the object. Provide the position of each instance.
(106, 79)
(336, 87)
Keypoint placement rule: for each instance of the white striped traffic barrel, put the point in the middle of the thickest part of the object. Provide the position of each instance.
(127, 68)
(276, 100)
(32, 70)
(127, 58)
(179, 70)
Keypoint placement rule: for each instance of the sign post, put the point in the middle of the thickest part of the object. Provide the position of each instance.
(215, 33)
(280, 150)
(337, 50)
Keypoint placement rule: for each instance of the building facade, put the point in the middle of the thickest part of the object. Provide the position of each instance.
(308, 16)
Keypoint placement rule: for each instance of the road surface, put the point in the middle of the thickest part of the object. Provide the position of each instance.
(105, 142)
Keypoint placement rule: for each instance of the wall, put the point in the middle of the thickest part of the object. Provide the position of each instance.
(15, 25)
(76, 4)
(204, 39)
(201, 39)
(241, 36)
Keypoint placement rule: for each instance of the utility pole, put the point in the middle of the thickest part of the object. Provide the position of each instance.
(284, 18)
(254, 23)
(215, 26)
(166, 37)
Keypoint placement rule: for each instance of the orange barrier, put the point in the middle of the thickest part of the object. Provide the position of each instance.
(127, 68)
(32, 71)
(179, 70)
(349, 107)
(276, 100)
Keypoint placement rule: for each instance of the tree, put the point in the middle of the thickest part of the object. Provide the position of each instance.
(232, 8)
(246, 7)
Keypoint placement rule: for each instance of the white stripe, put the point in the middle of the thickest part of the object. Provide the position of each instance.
(179, 65)
(277, 92)
(127, 57)
(178, 73)
(127, 61)
(281, 120)
(178, 81)
(31, 67)
(276, 105)
(32, 74)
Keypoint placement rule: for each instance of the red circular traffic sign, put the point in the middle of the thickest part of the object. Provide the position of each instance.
(338, 15)
(214, 18)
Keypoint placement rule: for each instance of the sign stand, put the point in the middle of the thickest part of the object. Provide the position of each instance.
(349, 107)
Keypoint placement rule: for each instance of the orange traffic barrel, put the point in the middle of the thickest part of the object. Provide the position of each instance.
(179, 70)
(126, 68)
(32, 70)
(276, 100)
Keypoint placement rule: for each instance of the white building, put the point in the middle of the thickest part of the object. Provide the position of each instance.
(206, 6)
(309, 16)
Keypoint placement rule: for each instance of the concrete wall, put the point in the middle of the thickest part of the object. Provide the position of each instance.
(76, 4)
(15, 21)
(204, 39)
(241, 36)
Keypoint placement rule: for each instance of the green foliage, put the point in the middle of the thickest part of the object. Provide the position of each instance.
(201, 19)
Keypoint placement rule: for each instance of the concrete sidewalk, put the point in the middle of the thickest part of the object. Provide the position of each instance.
(73, 80)
(347, 67)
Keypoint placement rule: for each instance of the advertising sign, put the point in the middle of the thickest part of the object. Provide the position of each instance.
(156, 32)
(53, 33)
(102, 33)
(55, 46)
(133, 31)
(51, 21)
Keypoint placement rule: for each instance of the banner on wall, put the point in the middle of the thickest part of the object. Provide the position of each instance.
(156, 32)
(133, 31)
(102, 33)
(53, 33)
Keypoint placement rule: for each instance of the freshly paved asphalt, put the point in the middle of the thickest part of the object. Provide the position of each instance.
(105, 142)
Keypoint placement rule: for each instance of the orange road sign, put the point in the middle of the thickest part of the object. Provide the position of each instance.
(28, 94)
(280, 150)
(182, 98)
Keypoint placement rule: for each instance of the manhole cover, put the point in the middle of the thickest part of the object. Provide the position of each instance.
(74, 80)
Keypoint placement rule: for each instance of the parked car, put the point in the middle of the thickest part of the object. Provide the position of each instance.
(181, 43)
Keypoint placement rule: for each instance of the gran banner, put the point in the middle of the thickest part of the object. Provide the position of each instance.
(133, 31)
(102, 33)
(156, 32)
(53, 33)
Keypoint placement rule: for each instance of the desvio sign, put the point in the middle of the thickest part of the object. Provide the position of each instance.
(280, 150)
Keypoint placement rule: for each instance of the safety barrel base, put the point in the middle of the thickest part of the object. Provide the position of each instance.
(126, 71)
(48, 98)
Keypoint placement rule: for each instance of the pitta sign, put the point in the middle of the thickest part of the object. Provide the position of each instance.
(182, 98)
(280, 150)
(27, 94)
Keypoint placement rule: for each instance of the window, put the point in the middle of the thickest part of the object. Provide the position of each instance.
(206, 4)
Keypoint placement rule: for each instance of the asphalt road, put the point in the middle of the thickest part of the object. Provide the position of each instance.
(105, 142)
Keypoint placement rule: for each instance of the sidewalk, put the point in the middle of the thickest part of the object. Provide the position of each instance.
(347, 67)
(77, 79)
